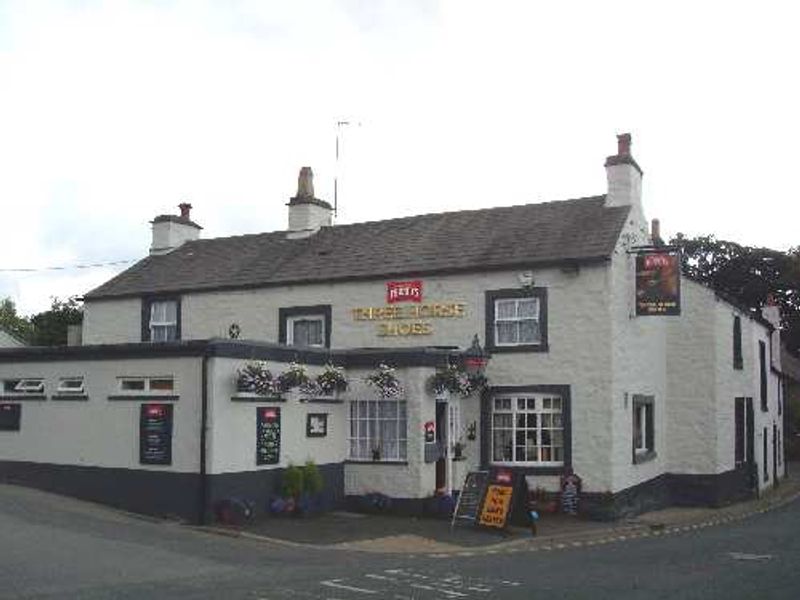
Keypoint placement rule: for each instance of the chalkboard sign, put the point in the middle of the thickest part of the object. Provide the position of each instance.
(268, 435)
(10, 417)
(155, 434)
(469, 500)
(496, 506)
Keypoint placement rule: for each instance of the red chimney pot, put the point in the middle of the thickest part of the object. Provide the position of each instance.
(185, 208)
(624, 144)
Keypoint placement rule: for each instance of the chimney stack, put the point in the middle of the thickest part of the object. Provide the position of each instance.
(624, 175)
(306, 212)
(655, 233)
(171, 231)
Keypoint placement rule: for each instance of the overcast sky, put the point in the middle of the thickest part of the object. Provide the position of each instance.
(114, 112)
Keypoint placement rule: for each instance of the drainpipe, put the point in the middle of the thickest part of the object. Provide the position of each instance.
(203, 495)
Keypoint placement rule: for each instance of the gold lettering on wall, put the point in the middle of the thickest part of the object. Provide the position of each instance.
(413, 319)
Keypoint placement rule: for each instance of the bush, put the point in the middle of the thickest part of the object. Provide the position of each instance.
(293, 480)
(313, 483)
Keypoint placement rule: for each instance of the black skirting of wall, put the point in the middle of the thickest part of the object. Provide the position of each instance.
(263, 486)
(157, 493)
(671, 489)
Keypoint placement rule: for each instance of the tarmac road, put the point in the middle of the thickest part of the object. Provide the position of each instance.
(54, 547)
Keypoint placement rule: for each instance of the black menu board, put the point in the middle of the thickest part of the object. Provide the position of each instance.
(155, 434)
(268, 435)
(10, 416)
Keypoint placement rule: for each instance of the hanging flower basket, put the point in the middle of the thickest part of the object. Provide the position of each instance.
(331, 380)
(385, 381)
(455, 380)
(255, 378)
(294, 376)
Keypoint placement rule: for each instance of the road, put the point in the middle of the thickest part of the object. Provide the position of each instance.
(53, 547)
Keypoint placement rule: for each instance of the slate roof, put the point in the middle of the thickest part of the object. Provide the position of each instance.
(577, 230)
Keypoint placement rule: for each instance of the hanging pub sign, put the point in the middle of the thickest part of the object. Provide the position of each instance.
(268, 435)
(658, 283)
(155, 434)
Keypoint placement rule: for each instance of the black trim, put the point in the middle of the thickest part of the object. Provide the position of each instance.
(486, 427)
(623, 159)
(18, 397)
(310, 433)
(202, 496)
(491, 296)
(395, 463)
(400, 274)
(421, 356)
(145, 397)
(738, 361)
(261, 399)
(147, 301)
(300, 311)
(322, 400)
(82, 397)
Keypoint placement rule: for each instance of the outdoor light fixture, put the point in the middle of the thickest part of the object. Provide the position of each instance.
(475, 358)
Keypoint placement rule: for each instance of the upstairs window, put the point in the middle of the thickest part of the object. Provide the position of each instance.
(305, 326)
(516, 320)
(737, 343)
(71, 385)
(161, 320)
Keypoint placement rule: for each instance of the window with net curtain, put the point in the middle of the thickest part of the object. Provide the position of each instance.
(164, 321)
(378, 428)
(517, 321)
(306, 331)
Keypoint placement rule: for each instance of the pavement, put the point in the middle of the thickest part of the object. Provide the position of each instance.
(341, 530)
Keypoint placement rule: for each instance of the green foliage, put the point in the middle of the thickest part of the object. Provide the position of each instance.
(50, 326)
(10, 321)
(313, 483)
(293, 481)
(747, 275)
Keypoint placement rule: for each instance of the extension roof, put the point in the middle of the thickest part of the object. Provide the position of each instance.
(564, 232)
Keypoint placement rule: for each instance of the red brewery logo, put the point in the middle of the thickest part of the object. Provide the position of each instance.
(403, 291)
(658, 261)
(270, 414)
(155, 411)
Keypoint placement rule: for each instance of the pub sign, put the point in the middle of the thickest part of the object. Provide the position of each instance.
(658, 283)
(268, 435)
(155, 434)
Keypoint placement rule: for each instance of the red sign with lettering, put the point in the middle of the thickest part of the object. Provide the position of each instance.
(403, 291)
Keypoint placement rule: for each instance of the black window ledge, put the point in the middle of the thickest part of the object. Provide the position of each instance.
(37, 397)
(82, 397)
(519, 348)
(643, 457)
(397, 463)
(322, 400)
(254, 398)
(145, 397)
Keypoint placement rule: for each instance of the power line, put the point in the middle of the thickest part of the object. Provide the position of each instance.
(68, 267)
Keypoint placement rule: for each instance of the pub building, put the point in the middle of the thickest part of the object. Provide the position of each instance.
(190, 387)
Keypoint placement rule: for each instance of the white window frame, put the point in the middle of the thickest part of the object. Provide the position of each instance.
(644, 445)
(147, 388)
(154, 325)
(67, 390)
(514, 411)
(364, 434)
(29, 385)
(291, 320)
(517, 319)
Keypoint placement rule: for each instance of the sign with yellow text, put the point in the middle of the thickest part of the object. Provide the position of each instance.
(407, 320)
(496, 505)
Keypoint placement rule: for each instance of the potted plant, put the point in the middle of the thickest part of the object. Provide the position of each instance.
(313, 484)
(376, 451)
(384, 379)
(458, 450)
(292, 487)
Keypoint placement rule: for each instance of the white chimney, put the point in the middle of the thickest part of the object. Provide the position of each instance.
(624, 176)
(307, 213)
(171, 231)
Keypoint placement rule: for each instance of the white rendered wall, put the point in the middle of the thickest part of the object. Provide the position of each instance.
(100, 432)
(112, 321)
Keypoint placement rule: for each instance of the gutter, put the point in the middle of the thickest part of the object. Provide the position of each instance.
(203, 491)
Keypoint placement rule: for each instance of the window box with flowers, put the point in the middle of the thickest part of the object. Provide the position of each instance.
(256, 383)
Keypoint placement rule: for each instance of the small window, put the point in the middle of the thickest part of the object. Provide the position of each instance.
(161, 320)
(516, 320)
(306, 331)
(643, 428)
(738, 363)
(30, 386)
(306, 326)
(71, 385)
(154, 385)
(9, 385)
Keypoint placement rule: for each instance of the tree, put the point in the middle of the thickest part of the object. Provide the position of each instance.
(50, 326)
(749, 275)
(11, 322)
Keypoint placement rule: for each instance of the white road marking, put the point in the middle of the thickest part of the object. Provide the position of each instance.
(334, 583)
(747, 556)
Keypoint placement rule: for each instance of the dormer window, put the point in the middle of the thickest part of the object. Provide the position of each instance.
(161, 320)
(305, 326)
